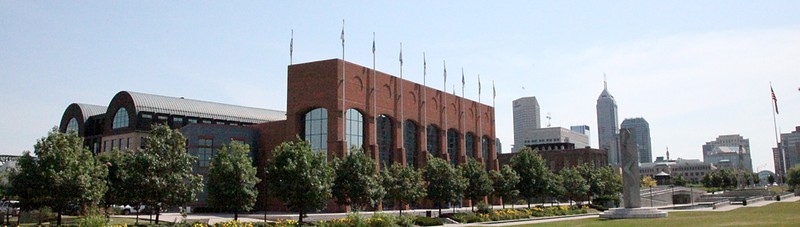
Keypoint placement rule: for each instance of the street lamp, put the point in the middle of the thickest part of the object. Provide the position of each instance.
(651, 195)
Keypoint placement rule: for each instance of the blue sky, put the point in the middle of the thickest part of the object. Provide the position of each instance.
(693, 69)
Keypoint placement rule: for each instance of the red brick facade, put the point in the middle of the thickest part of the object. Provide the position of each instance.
(319, 85)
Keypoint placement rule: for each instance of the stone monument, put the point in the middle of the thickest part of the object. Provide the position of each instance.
(630, 183)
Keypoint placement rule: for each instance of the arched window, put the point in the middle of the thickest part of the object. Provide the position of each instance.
(385, 137)
(485, 150)
(355, 129)
(470, 145)
(72, 126)
(316, 130)
(434, 143)
(410, 142)
(452, 145)
(120, 119)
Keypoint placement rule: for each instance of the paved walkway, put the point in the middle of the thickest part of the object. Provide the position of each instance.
(216, 218)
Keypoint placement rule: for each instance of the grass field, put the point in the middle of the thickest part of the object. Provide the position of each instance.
(776, 214)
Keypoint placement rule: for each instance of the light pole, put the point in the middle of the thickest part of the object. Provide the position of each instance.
(691, 194)
(651, 195)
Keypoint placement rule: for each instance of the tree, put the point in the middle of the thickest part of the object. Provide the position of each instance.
(756, 179)
(118, 191)
(403, 184)
(576, 186)
(793, 177)
(611, 183)
(69, 173)
(163, 170)
(27, 184)
(445, 184)
(478, 183)
(771, 179)
(555, 186)
(232, 179)
(300, 178)
(679, 180)
(504, 183)
(589, 172)
(357, 182)
(532, 173)
(647, 182)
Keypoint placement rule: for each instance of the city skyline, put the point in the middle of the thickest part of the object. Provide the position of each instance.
(683, 66)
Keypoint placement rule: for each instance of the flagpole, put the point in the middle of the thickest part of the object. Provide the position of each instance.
(444, 99)
(480, 123)
(775, 126)
(344, 89)
(400, 94)
(463, 115)
(425, 98)
(291, 47)
(374, 99)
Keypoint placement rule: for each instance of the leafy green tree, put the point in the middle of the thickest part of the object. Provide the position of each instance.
(445, 183)
(555, 186)
(532, 173)
(589, 172)
(67, 173)
(611, 183)
(756, 179)
(27, 184)
(478, 183)
(679, 180)
(504, 183)
(301, 179)
(403, 184)
(162, 171)
(232, 179)
(771, 179)
(117, 192)
(793, 179)
(357, 182)
(576, 186)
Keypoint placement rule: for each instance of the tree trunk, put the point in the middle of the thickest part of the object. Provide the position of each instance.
(236, 215)
(58, 221)
(300, 222)
(440, 209)
(158, 214)
(503, 202)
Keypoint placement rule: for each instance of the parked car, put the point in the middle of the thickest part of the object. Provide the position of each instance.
(9, 207)
(128, 209)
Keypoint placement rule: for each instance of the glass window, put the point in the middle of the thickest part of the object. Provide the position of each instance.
(385, 137)
(147, 116)
(123, 144)
(120, 119)
(355, 129)
(470, 145)
(452, 145)
(316, 130)
(162, 118)
(434, 143)
(485, 150)
(192, 120)
(72, 126)
(206, 121)
(177, 122)
(410, 142)
(205, 151)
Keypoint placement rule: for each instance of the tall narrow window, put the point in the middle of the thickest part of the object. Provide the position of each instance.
(72, 126)
(434, 143)
(205, 151)
(410, 142)
(385, 137)
(120, 119)
(470, 145)
(355, 129)
(452, 145)
(316, 130)
(485, 150)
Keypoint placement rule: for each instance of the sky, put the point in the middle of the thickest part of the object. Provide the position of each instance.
(693, 69)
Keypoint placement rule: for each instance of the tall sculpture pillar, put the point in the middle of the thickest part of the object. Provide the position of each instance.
(630, 169)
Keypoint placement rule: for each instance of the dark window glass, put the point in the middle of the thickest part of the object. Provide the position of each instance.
(410, 142)
(354, 129)
(316, 130)
(385, 139)
(120, 119)
(434, 143)
(452, 145)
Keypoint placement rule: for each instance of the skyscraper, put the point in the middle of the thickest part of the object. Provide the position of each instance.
(607, 125)
(733, 149)
(526, 120)
(641, 130)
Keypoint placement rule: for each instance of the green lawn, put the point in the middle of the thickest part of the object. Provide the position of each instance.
(776, 214)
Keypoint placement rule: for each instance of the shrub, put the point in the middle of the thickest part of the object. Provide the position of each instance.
(427, 221)
(470, 217)
(381, 220)
(484, 208)
(405, 220)
(92, 221)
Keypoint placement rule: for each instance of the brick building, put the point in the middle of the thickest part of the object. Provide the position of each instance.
(565, 158)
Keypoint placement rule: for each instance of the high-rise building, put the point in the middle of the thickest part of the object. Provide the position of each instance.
(526, 120)
(554, 138)
(790, 144)
(582, 129)
(641, 131)
(729, 150)
(607, 125)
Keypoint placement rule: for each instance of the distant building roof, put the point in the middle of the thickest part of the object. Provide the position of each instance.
(89, 110)
(203, 109)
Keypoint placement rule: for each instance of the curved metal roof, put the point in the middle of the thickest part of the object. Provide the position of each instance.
(203, 109)
(89, 110)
